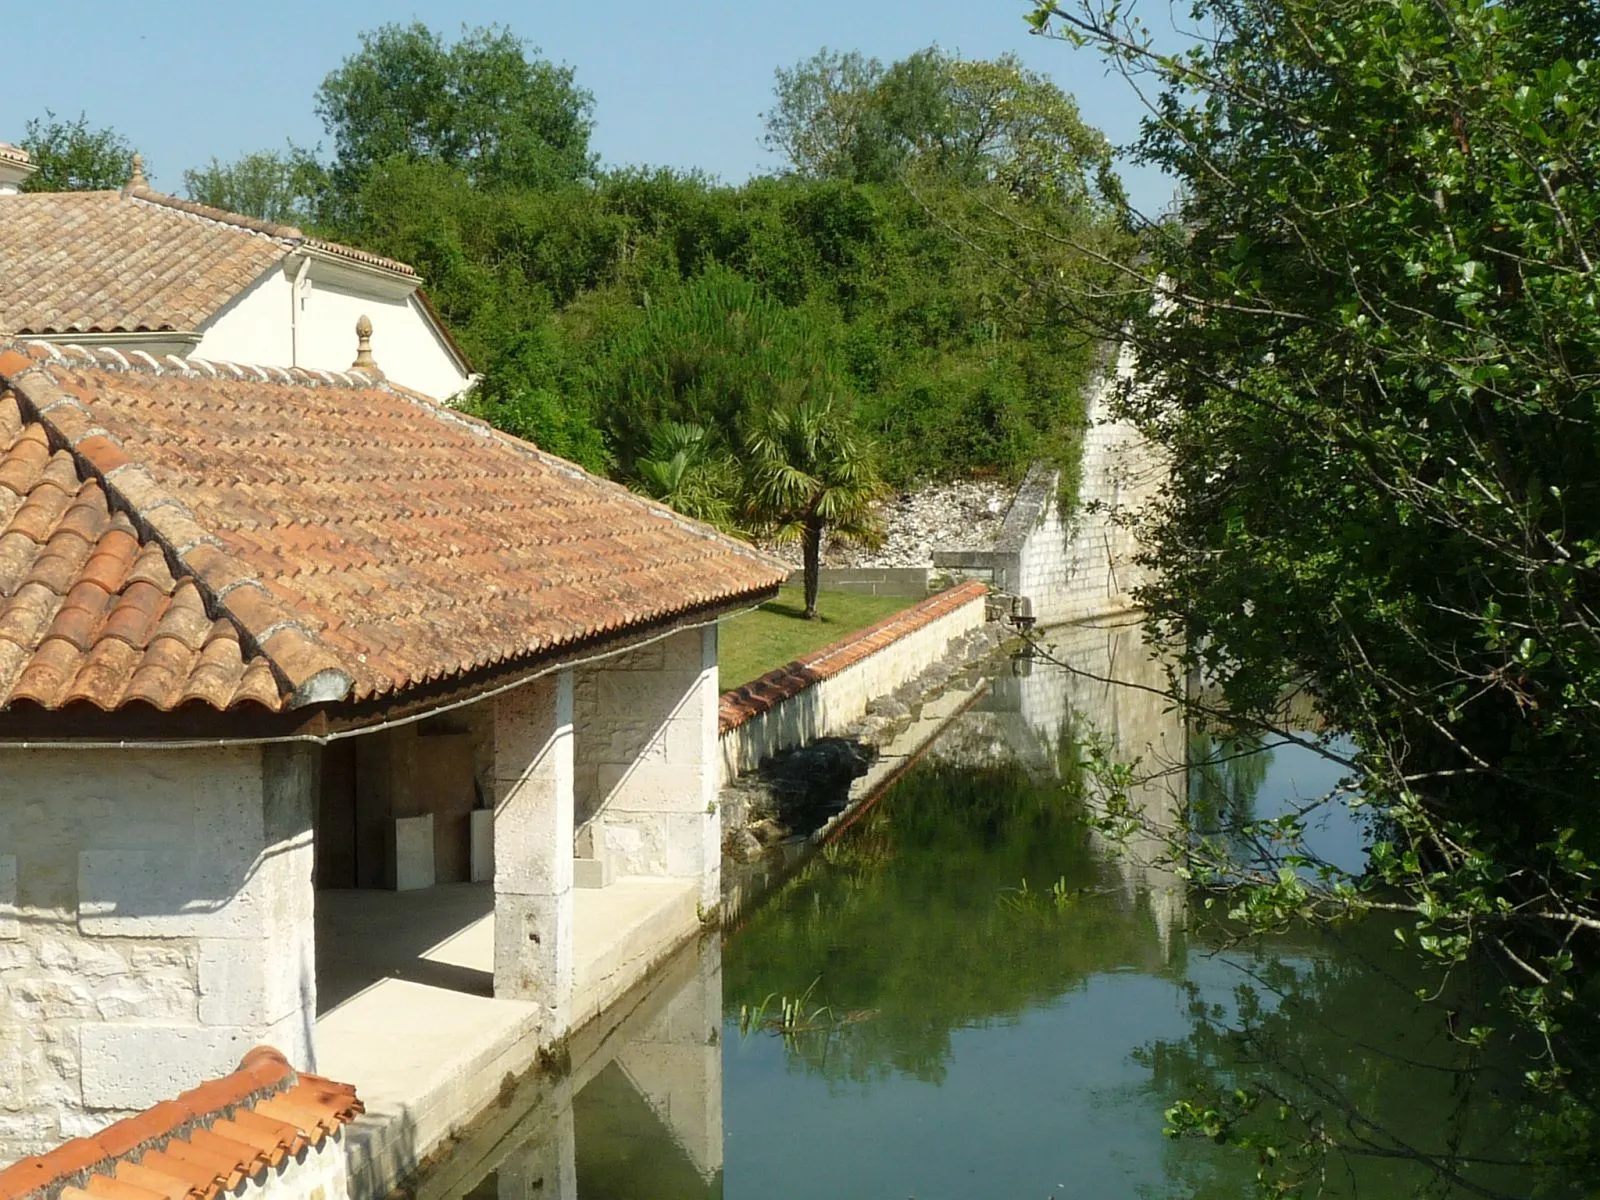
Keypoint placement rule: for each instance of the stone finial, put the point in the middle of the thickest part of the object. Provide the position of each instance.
(136, 178)
(363, 360)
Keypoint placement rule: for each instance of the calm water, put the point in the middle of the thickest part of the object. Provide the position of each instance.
(963, 1039)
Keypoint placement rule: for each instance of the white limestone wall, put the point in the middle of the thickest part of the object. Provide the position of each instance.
(1084, 568)
(261, 326)
(645, 760)
(155, 923)
(831, 705)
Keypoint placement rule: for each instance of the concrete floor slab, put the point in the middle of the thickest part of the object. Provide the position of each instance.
(407, 1010)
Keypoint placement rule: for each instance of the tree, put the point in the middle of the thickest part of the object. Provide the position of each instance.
(73, 157)
(810, 474)
(270, 185)
(1371, 358)
(487, 104)
(939, 117)
(823, 111)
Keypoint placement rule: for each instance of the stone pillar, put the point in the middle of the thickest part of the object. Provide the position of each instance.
(533, 949)
(654, 752)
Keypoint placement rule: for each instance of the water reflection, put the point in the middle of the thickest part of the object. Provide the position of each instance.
(960, 1034)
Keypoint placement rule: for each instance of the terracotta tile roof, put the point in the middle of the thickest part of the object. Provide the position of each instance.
(362, 539)
(134, 260)
(751, 700)
(208, 1141)
(90, 610)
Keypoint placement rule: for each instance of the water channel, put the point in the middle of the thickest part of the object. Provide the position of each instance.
(962, 1037)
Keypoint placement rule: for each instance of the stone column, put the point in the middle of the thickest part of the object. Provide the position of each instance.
(657, 774)
(533, 950)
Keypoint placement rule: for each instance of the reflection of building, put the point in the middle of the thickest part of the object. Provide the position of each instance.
(645, 1086)
(1103, 690)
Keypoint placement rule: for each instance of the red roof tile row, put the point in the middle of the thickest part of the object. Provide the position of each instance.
(751, 700)
(208, 1141)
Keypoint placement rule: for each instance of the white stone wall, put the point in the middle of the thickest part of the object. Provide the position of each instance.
(645, 759)
(1083, 569)
(155, 923)
(830, 705)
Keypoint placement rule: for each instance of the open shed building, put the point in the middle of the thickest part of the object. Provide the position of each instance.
(312, 692)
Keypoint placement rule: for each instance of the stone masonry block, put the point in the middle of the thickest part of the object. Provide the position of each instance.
(652, 787)
(527, 722)
(136, 1066)
(663, 844)
(157, 894)
(10, 926)
(248, 982)
(533, 951)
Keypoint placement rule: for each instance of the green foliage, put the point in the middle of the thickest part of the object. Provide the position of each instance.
(686, 472)
(70, 156)
(938, 117)
(1373, 363)
(270, 185)
(486, 103)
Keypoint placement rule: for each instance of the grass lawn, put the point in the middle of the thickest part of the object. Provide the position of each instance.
(753, 643)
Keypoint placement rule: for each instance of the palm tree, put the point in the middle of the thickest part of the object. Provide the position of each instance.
(687, 472)
(807, 473)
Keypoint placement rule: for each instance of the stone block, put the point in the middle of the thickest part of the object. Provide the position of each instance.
(533, 832)
(10, 925)
(136, 1066)
(652, 787)
(413, 853)
(591, 873)
(533, 951)
(528, 722)
(161, 894)
(252, 982)
(482, 850)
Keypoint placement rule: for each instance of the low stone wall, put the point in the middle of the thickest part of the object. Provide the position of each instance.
(824, 692)
(871, 581)
(1077, 567)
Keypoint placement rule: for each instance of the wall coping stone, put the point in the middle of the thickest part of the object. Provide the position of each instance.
(751, 700)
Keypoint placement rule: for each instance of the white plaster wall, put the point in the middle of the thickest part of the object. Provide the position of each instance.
(646, 760)
(831, 705)
(404, 344)
(155, 923)
(256, 328)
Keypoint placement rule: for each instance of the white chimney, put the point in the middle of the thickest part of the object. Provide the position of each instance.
(14, 168)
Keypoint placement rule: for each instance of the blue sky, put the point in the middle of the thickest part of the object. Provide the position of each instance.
(679, 83)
